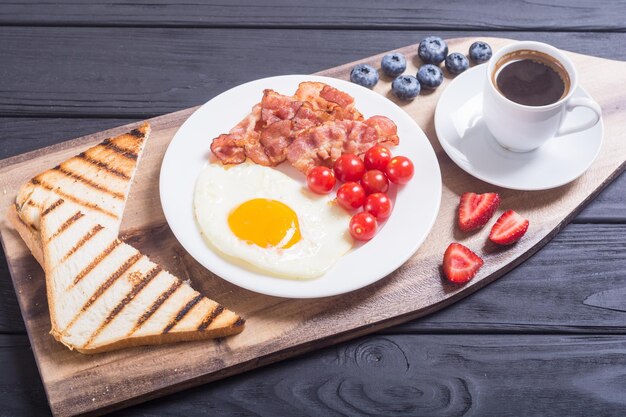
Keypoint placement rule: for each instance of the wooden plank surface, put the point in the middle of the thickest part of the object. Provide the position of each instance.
(575, 284)
(608, 207)
(432, 375)
(421, 375)
(139, 73)
(317, 321)
(352, 14)
(480, 312)
(24, 134)
(582, 268)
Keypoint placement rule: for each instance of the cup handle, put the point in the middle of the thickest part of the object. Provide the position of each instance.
(580, 102)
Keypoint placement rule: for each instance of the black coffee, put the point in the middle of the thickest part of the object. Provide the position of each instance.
(531, 80)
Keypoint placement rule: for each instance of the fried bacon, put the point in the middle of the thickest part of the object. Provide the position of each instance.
(275, 139)
(323, 144)
(230, 148)
(313, 127)
(322, 97)
(276, 107)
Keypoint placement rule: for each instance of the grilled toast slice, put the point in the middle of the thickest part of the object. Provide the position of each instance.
(98, 180)
(103, 294)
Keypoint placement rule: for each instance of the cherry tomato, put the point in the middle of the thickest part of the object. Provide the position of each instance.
(377, 157)
(349, 167)
(375, 181)
(363, 226)
(351, 195)
(379, 204)
(400, 170)
(321, 180)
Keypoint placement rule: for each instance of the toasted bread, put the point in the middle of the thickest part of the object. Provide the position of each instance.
(98, 180)
(103, 294)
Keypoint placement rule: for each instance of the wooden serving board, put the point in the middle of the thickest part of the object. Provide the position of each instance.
(278, 328)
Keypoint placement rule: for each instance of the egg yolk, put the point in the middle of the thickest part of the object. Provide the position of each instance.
(266, 223)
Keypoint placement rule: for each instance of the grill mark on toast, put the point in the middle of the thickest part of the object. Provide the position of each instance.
(67, 223)
(103, 165)
(71, 174)
(136, 133)
(206, 322)
(54, 205)
(95, 262)
(240, 322)
(124, 152)
(29, 224)
(31, 203)
(155, 305)
(105, 286)
(182, 313)
(136, 289)
(71, 198)
(90, 234)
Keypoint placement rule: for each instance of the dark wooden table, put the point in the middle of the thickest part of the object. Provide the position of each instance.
(547, 339)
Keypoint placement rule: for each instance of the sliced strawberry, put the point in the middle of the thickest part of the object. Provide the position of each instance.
(475, 210)
(460, 264)
(509, 228)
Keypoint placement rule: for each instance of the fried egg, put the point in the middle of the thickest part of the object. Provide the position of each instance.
(270, 221)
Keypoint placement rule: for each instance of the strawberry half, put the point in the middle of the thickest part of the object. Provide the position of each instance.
(475, 210)
(460, 264)
(509, 228)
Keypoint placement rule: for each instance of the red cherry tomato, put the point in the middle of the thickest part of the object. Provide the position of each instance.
(349, 167)
(351, 195)
(321, 180)
(379, 204)
(377, 157)
(400, 170)
(363, 226)
(375, 181)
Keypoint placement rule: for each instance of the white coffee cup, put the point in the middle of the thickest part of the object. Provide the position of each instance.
(522, 128)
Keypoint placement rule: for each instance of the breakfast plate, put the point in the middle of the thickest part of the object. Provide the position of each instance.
(415, 209)
(462, 132)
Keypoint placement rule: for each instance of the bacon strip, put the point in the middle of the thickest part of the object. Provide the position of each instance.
(276, 107)
(230, 148)
(313, 127)
(322, 145)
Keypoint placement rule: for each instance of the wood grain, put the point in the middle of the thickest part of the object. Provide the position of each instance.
(25, 134)
(352, 14)
(284, 328)
(575, 284)
(10, 316)
(420, 375)
(582, 268)
(139, 73)
(431, 375)
(608, 207)
(21, 391)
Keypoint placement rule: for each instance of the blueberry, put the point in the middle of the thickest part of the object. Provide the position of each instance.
(393, 64)
(364, 75)
(480, 52)
(456, 63)
(432, 50)
(430, 76)
(405, 87)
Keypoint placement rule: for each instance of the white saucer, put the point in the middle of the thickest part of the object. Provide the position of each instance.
(467, 141)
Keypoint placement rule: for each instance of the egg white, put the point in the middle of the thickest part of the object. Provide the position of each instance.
(323, 224)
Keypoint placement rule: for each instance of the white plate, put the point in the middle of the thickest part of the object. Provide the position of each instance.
(416, 204)
(467, 141)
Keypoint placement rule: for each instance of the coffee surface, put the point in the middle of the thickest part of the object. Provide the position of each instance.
(530, 82)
